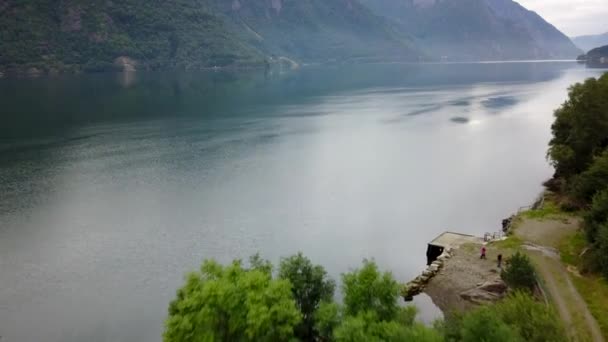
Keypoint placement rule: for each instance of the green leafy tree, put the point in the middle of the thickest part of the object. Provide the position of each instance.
(601, 249)
(519, 272)
(368, 290)
(310, 286)
(597, 215)
(580, 130)
(231, 303)
(592, 180)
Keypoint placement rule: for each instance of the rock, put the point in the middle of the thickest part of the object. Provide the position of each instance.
(494, 286)
(427, 273)
(126, 63)
(489, 291)
(424, 279)
(437, 263)
(434, 268)
(478, 296)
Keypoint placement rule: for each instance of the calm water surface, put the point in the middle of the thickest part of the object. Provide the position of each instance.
(112, 186)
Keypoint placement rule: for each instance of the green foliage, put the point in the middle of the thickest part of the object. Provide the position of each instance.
(532, 320)
(89, 35)
(232, 304)
(369, 290)
(519, 317)
(549, 210)
(310, 286)
(592, 180)
(483, 325)
(367, 327)
(580, 130)
(596, 216)
(519, 272)
(327, 318)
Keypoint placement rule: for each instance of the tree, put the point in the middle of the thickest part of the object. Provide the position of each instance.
(368, 290)
(310, 286)
(597, 215)
(592, 180)
(232, 303)
(519, 273)
(580, 130)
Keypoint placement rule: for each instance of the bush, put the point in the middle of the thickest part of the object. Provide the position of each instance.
(532, 320)
(519, 272)
(519, 317)
(483, 325)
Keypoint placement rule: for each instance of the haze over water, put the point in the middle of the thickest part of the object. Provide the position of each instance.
(113, 186)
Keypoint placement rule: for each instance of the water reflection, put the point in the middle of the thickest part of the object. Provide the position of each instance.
(111, 190)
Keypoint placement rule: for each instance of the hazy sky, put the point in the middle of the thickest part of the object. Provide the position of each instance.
(573, 17)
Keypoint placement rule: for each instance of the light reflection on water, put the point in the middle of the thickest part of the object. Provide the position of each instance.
(111, 191)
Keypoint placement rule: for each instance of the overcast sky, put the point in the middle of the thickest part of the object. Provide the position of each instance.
(573, 17)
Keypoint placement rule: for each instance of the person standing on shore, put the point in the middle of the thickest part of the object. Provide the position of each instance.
(483, 253)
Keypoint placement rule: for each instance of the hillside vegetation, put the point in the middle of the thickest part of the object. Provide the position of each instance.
(98, 35)
(579, 153)
(91, 34)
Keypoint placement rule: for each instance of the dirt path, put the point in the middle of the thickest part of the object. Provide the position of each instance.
(573, 310)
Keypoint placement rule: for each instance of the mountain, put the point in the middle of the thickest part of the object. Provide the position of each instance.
(97, 35)
(477, 29)
(317, 30)
(57, 35)
(589, 42)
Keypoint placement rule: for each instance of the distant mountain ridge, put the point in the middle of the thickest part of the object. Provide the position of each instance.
(317, 30)
(99, 35)
(589, 42)
(477, 29)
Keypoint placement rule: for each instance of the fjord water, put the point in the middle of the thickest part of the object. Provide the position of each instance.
(113, 186)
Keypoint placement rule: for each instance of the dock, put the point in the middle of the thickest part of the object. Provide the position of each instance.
(448, 240)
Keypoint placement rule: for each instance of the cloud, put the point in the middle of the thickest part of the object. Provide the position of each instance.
(573, 17)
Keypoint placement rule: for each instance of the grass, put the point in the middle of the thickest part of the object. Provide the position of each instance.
(571, 247)
(593, 288)
(545, 264)
(549, 210)
(512, 242)
(594, 291)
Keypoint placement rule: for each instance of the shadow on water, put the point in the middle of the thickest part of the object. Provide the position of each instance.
(66, 101)
(497, 104)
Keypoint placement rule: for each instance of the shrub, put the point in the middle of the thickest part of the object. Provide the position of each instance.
(533, 320)
(519, 272)
(483, 325)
